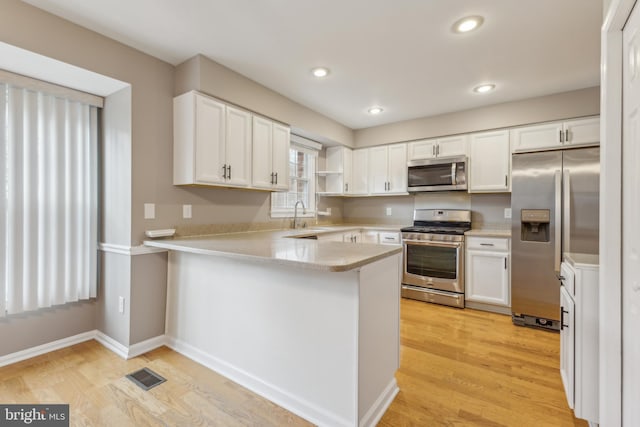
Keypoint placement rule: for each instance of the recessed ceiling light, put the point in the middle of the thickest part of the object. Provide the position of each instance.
(467, 24)
(484, 88)
(375, 110)
(320, 72)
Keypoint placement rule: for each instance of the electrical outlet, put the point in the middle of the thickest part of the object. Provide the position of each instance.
(186, 211)
(389, 212)
(121, 304)
(149, 211)
(507, 213)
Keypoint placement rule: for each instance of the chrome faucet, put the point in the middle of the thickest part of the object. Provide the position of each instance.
(295, 212)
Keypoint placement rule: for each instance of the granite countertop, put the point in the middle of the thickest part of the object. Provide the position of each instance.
(582, 260)
(275, 247)
(489, 232)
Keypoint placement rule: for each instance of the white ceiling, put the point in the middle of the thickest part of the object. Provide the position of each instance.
(401, 54)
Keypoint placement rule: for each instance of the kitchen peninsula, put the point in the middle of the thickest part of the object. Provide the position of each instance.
(311, 325)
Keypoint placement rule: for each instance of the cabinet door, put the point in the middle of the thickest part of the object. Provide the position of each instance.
(209, 141)
(378, 170)
(262, 171)
(424, 149)
(346, 170)
(280, 157)
(397, 175)
(583, 131)
(238, 147)
(488, 277)
(453, 146)
(567, 345)
(369, 236)
(360, 172)
(489, 162)
(531, 138)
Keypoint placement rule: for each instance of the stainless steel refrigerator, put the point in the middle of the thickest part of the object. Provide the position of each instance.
(554, 204)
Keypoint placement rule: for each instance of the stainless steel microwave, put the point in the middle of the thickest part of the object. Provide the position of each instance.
(443, 174)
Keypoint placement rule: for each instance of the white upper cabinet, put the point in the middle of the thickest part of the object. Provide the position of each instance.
(270, 154)
(582, 131)
(489, 162)
(280, 156)
(556, 135)
(238, 147)
(441, 147)
(212, 142)
(359, 172)
(423, 149)
(388, 169)
(338, 171)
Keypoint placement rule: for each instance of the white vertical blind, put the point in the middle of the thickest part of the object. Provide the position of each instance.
(48, 216)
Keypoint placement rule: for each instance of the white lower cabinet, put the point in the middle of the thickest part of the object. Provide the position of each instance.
(579, 339)
(487, 273)
(567, 344)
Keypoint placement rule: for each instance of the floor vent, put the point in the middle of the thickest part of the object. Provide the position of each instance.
(145, 378)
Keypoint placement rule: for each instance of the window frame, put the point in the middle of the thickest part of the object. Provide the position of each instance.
(310, 208)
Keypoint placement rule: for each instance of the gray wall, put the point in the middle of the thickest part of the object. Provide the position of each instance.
(203, 74)
(577, 103)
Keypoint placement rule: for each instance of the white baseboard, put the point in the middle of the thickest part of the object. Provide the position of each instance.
(145, 346)
(46, 348)
(298, 406)
(113, 345)
(379, 407)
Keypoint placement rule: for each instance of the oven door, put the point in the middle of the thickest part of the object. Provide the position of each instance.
(434, 265)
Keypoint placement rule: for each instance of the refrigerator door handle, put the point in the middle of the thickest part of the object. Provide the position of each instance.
(558, 219)
(566, 209)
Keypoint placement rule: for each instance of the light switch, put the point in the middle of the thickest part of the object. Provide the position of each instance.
(507, 213)
(186, 211)
(328, 211)
(149, 211)
(389, 212)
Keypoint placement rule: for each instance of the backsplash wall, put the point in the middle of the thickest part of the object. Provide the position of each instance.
(487, 210)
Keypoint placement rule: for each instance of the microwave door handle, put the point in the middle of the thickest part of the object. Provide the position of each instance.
(453, 173)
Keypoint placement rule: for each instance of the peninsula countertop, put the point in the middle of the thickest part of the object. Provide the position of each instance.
(285, 247)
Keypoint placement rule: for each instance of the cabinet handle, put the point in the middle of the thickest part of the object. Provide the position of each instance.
(561, 136)
(566, 135)
(437, 150)
(486, 244)
(229, 172)
(276, 178)
(346, 187)
(505, 263)
(224, 172)
(506, 181)
(433, 150)
(272, 178)
(562, 312)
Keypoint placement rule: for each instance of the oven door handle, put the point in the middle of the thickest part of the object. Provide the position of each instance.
(433, 243)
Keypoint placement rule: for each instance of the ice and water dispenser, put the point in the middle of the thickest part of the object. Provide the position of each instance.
(534, 225)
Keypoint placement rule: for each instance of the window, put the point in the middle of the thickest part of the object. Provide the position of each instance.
(302, 185)
(48, 199)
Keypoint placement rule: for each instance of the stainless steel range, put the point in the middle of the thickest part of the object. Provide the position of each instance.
(434, 256)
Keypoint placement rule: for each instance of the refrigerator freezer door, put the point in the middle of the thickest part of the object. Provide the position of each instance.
(581, 185)
(534, 285)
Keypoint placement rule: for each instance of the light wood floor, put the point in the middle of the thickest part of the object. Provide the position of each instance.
(458, 368)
